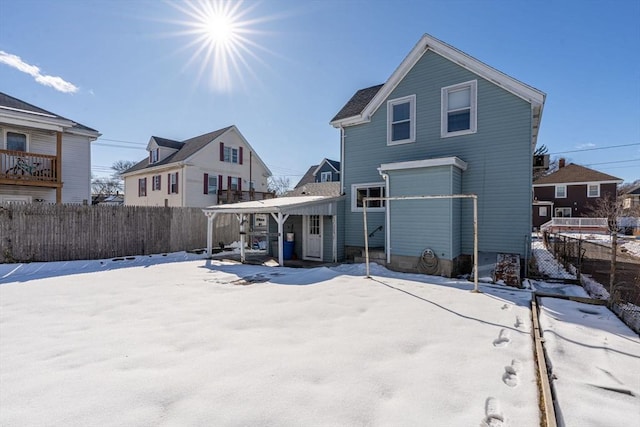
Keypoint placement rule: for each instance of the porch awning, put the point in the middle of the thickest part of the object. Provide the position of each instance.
(279, 208)
(299, 205)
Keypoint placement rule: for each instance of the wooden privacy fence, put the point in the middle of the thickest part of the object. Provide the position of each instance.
(43, 232)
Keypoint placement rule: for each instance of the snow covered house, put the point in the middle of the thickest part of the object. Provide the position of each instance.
(443, 123)
(44, 157)
(215, 168)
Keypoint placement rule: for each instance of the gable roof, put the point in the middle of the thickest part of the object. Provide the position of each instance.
(189, 147)
(331, 189)
(308, 177)
(633, 190)
(169, 143)
(12, 105)
(573, 173)
(334, 164)
(357, 103)
(356, 111)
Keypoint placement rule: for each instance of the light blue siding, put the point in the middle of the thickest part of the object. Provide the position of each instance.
(498, 157)
(429, 223)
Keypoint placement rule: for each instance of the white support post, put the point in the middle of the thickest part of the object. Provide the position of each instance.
(334, 222)
(475, 244)
(210, 218)
(241, 218)
(366, 235)
(280, 239)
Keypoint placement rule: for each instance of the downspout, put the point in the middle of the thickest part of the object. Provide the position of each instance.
(341, 160)
(387, 216)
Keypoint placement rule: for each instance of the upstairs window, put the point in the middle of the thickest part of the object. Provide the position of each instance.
(401, 120)
(593, 190)
(173, 183)
(459, 112)
(142, 187)
(360, 191)
(233, 183)
(16, 141)
(154, 155)
(230, 155)
(325, 177)
(561, 191)
(212, 184)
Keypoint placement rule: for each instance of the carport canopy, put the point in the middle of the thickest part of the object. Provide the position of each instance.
(279, 208)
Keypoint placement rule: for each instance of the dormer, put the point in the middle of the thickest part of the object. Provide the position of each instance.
(161, 148)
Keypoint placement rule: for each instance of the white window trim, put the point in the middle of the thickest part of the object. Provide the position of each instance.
(173, 181)
(230, 150)
(444, 101)
(556, 191)
(540, 210)
(15, 199)
(412, 119)
(354, 196)
(215, 188)
(598, 193)
(555, 212)
(4, 140)
(324, 175)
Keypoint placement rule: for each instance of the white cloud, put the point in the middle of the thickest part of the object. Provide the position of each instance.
(586, 145)
(58, 83)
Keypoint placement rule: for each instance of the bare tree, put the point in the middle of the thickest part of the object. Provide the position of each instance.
(120, 166)
(553, 163)
(279, 185)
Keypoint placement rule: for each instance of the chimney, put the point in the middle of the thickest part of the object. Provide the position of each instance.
(561, 163)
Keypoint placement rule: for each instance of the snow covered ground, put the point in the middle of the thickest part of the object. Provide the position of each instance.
(627, 243)
(179, 340)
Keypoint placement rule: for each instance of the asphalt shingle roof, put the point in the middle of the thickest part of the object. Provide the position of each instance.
(164, 142)
(316, 189)
(574, 173)
(18, 104)
(187, 148)
(307, 177)
(358, 102)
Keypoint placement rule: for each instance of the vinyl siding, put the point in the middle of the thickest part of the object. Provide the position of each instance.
(420, 224)
(498, 156)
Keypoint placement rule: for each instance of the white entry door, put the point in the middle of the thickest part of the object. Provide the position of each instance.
(312, 246)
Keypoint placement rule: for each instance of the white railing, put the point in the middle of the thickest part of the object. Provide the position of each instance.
(575, 223)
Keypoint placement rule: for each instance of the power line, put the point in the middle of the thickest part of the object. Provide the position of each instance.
(118, 146)
(122, 140)
(596, 148)
(608, 163)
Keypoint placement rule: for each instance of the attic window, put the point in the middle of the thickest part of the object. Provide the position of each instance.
(401, 120)
(325, 176)
(230, 155)
(154, 155)
(459, 109)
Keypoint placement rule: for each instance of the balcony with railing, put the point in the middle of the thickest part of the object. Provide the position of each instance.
(234, 196)
(575, 224)
(22, 168)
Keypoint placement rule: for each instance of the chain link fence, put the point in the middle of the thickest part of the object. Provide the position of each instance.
(578, 260)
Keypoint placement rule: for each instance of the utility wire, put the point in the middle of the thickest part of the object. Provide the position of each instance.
(608, 163)
(594, 149)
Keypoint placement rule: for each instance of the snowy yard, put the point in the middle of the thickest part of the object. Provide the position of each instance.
(628, 244)
(184, 341)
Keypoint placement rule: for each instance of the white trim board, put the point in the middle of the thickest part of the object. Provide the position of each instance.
(426, 163)
(619, 181)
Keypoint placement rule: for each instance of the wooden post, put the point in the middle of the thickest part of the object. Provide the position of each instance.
(59, 167)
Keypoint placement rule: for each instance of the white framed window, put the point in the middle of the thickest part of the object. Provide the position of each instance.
(234, 183)
(212, 184)
(593, 190)
(17, 200)
(325, 177)
(561, 191)
(16, 140)
(542, 211)
(156, 181)
(154, 155)
(562, 212)
(360, 191)
(401, 120)
(230, 154)
(626, 203)
(459, 109)
(173, 183)
(142, 187)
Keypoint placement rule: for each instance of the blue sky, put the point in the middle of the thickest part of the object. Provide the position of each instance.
(135, 71)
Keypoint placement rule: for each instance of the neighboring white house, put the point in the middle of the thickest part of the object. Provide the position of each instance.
(210, 169)
(44, 157)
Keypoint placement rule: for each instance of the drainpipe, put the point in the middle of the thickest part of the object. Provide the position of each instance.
(387, 216)
(341, 160)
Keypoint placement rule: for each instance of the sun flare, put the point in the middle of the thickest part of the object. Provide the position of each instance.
(220, 33)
